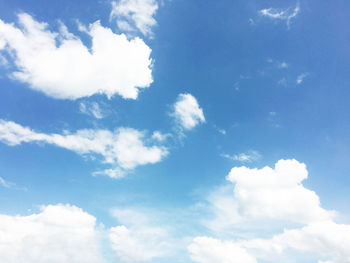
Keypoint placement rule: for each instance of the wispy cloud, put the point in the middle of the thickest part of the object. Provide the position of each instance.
(283, 65)
(285, 15)
(243, 157)
(133, 15)
(301, 78)
(137, 238)
(92, 109)
(5, 183)
(124, 148)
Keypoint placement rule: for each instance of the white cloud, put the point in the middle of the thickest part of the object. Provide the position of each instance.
(4, 183)
(132, 15)
(210, 250)
(160, 137)
(3, 60)
(222, 131)
(277, 193)
(187, 112)
(71, 70)
(282, 82)
(243, 157)
(91, 109)
(257, 199)
(60, 233)
(123, 147)
(286, 15)
(137, 240)
(283, 65)
(224, 211)
(115, 173)
(301, 78)
(263, 195)
(325, 238)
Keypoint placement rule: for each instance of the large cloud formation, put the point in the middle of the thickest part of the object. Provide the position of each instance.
(60, 233)
(61, 66)
(270, 196)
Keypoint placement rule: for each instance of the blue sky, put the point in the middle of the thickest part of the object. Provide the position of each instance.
(174, 131)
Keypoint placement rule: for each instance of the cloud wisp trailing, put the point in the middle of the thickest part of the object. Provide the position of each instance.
(92, 109)
(301, 78)
(243, 157)
(61, 66)
(5, 183)
(124, 147)
(279, 14)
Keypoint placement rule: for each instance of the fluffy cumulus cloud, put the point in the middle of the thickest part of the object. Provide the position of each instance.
(60, 233)
(285, 15)
(187, 112)
(210, 250)
(61, 66)
(123, 147)
(277, 193)
(260, 197)
(132, 15)
(136, 239)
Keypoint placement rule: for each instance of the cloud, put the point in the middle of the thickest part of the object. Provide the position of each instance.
(243, 157)
(160, 137)
(277, 193)
(92, 109)
(325, 238)
(4, 183)
(219, 130)
(123, 147)
(263, 195)
(132, 15)
(222, 131)
(137, 239)
(61, 66)
(59, 233)
(283, 65)
(210, 250)
(301, 78)
(251, 207)
(286, 15)
(3, 60)
(187, 112)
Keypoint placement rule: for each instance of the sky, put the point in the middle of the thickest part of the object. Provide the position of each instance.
(174, 131)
